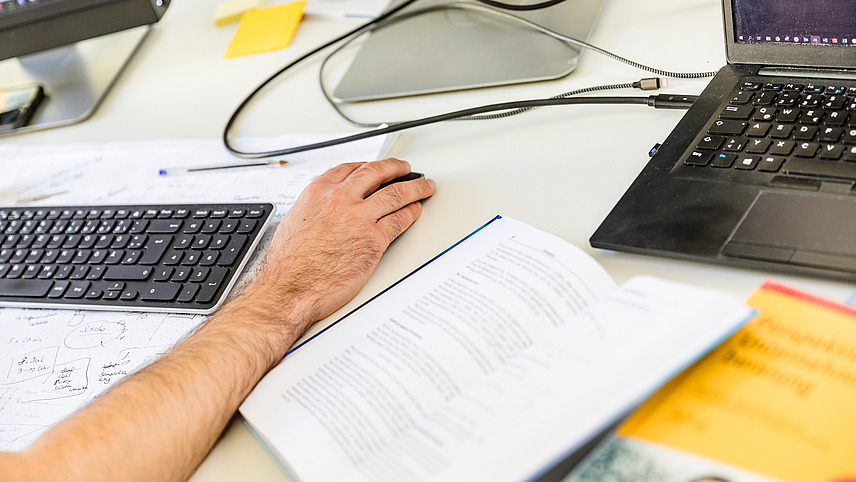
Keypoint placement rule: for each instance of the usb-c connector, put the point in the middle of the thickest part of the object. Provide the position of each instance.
(650, 83)
(671, 101)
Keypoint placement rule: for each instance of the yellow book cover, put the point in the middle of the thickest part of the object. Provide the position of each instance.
(777, 398)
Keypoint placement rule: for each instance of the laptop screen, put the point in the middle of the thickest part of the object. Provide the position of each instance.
(819, 22)
(795, 33)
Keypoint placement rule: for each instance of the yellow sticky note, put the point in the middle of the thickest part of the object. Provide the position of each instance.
(266, 29)
(231, 10)
(776, 398)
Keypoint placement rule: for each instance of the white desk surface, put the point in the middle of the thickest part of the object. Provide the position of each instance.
(560, 169)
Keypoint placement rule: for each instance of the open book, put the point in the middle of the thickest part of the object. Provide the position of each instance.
(493, 361)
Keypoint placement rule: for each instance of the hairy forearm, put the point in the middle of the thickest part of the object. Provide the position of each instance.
(159, 423)
(162, 421)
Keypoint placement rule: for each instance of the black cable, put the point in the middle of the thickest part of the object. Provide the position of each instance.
(662, 101)
(466, 114)
(520, 8)
(300, 59)
(355, 32)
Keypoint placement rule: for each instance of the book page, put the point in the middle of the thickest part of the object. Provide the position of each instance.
(776, 399)
(379, 372)
(563, 390)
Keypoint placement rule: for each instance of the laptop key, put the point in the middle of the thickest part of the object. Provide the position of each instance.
(806, 149)
(711, 142)
(739, 112)
(698, 158)
(727, 127)
(746, 162)
(770, 163)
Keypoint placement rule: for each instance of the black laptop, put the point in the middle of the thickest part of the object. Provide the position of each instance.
(761, 171)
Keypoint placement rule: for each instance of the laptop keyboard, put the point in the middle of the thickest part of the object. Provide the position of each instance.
(804, 130)
(167, 258)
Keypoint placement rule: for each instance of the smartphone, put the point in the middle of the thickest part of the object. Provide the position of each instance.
(18, 104)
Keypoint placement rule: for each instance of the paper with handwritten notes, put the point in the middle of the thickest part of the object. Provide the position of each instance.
(777, 398)
(52, 362)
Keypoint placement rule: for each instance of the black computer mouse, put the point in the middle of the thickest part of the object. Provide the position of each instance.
(406, 177)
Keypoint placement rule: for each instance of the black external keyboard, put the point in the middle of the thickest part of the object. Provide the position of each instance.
(179, 258)
(796, 129)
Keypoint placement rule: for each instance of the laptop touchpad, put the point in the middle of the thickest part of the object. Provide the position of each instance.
(797, 228)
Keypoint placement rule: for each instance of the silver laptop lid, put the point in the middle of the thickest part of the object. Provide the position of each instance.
(794, 33)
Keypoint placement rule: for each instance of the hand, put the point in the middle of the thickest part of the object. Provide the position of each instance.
(333, 237)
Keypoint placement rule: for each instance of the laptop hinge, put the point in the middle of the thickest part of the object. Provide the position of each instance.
(810, 73)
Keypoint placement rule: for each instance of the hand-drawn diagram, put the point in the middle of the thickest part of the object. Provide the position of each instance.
(53, 362)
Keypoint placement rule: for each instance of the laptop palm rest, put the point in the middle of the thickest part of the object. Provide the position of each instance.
(796, 228)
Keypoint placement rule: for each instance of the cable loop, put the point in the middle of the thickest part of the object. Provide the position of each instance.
(494, 111)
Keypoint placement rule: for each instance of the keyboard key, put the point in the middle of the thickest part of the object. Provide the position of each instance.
(58, 289)
(199, 275)
(127, 272)
(699, 158)
(77, 289)
(805, 133)
(831, 152)
(63, 272)
(79, 272)
(835, 118)
(211, 226)
(209, 258)
(764, 114)
(740, 112)
(188, 294)
(758, 129)
(111, 295)
(247, 226)
(154, 249)
(163, 274)
(830, 134)
(782, 148)
(161, 292)
(230, 254)
(209, 288)
(734, 144)
(191, 258)
(723, 160)
(94, 294)
(758, 146)
(746, 162)
(163, 226)
(96, 272)
(129, 295)
(181, 274)
(724, 127)
(770, 163)
(766, 98)
(806, 149)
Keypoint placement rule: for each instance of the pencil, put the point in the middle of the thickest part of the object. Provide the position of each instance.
(188, 170)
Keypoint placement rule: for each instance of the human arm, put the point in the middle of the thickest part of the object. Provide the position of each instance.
(161, 422)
